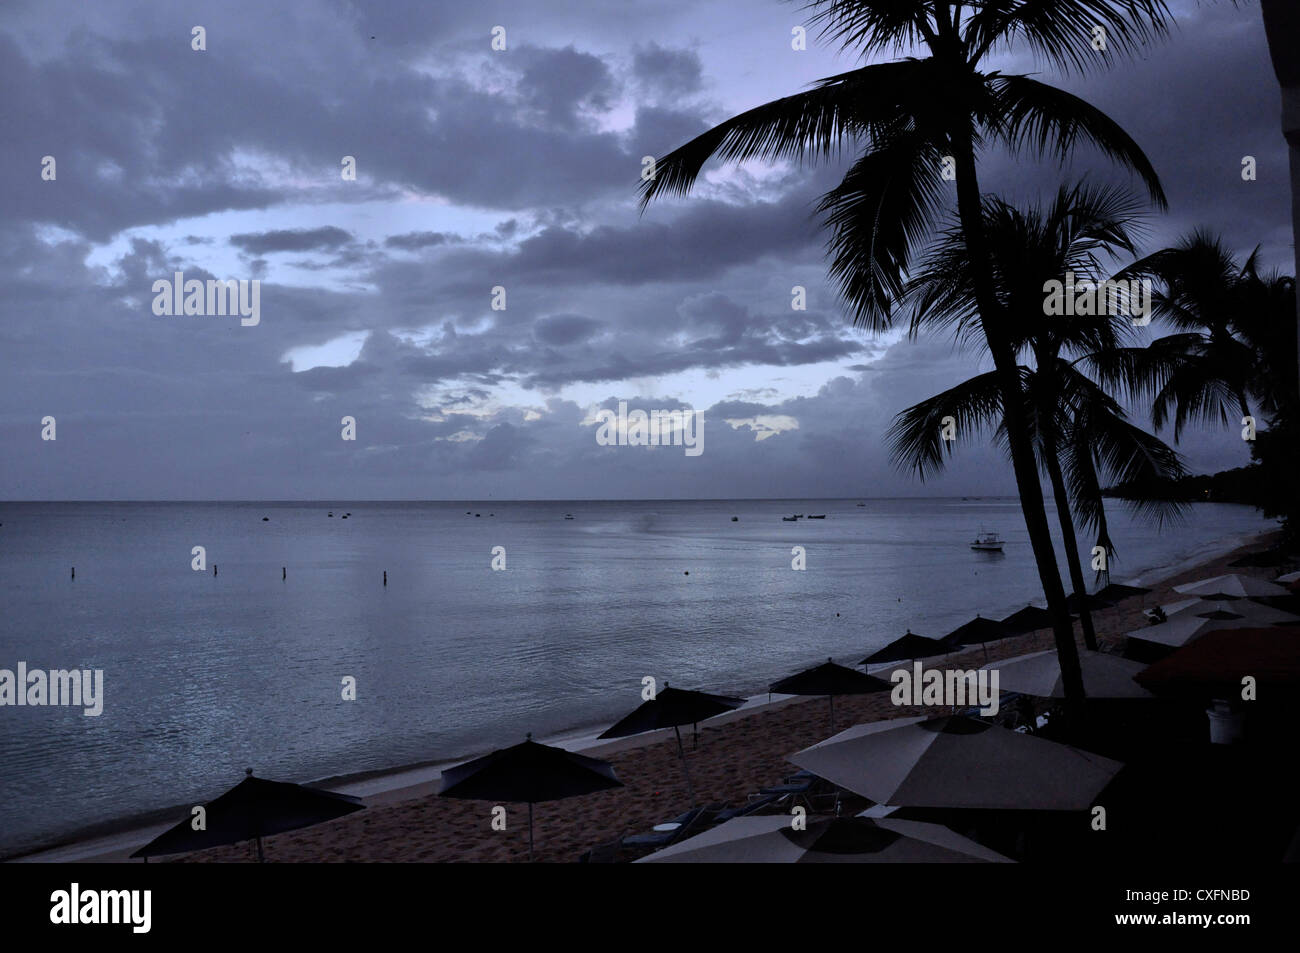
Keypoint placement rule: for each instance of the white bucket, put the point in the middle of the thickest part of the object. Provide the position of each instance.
(1227, 727)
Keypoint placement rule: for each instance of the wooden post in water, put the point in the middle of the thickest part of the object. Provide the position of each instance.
(74, 572)
(284, 573)
(385, 577)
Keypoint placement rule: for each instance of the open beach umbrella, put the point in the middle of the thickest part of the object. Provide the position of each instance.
(771, 839)
(528, 772)
(1214, 666)
(1246, 609)
(1039, 673)
(905, 648)
(1115, 592)
(1095, 602)
(1232, 586)
(958, 762)
(830, 680)
(978, 629)
(254, 808)
(1288, 578)
(672, 708)
(1028, 619)
(1185, 628)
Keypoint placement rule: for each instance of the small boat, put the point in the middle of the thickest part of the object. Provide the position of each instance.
(790, 519)
(822, 517)
(862, 504)
(568, 516)
(735, 519)
(987, 542)
(798, 516)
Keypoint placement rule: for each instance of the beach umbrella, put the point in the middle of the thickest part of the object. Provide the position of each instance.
(1182, 629)
(1246, 609)
(672, 708)
(1288, 578)
(958, 762)
(1214, 666)
(1232, 586)
(771, 839)
(1095, 602)
(1039, 673)
(1028, 619)
(528, 772)
(254, 808)
(1115, 592)
(830, 680)
(978, 629)
(905, 648)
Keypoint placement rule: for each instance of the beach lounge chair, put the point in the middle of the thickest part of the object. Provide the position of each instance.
(756, 803)
(688, 823)
(606, 853)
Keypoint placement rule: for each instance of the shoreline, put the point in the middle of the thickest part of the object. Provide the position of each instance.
(113, 841)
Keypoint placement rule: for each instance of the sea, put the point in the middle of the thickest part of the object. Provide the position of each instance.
(247, 661)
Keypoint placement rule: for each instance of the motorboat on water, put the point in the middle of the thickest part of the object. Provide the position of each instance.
(790, 519)
(821, 517)
(988, 542)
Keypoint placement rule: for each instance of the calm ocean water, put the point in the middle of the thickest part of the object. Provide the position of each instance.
(204, 675)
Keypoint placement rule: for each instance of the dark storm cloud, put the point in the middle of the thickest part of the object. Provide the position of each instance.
(560, 329)
(548, 136)
(298, 239)
(563, 83)
(415, 240)
(668, 72)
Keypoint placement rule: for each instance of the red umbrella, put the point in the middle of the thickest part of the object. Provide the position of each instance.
(1214, 665)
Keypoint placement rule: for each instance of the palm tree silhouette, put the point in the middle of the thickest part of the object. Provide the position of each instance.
(1080, 433)
(1226, 315)
(916, 116)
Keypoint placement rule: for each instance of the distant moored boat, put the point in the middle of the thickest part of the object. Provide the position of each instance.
(988, 542)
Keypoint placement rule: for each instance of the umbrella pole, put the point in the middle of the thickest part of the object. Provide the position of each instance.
(530, 832)
(832, 700)
(261, 857)
(681, 752)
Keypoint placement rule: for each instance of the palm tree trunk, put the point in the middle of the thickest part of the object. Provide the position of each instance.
(1071, 542)
(1282, 24)
(1022, 452)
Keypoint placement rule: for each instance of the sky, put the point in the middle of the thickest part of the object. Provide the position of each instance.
(480, 168)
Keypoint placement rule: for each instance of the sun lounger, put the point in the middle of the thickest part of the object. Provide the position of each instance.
(686, 824)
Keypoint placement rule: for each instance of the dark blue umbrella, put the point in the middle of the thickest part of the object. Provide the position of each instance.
(528, 772)
(254, 808)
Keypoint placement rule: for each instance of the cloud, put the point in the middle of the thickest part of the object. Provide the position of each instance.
(300, 239)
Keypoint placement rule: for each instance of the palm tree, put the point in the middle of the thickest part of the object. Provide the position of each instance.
(907, 117)
(1225, 315)
(1080, 434)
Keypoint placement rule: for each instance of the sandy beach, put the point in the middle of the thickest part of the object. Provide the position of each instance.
(736, 756)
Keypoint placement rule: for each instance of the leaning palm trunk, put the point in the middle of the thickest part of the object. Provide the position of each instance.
(1071, 542)
(1019, 442)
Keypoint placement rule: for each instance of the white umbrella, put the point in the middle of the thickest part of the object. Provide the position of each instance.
(1186, 627)
(1233, 586)
(1246, 609)
(1039, 673)
(1288, 578)
(958, 762)
(771, 839)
